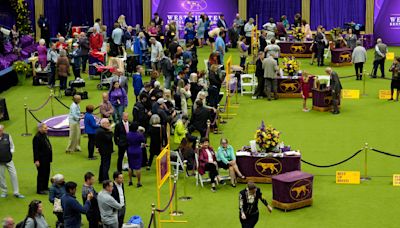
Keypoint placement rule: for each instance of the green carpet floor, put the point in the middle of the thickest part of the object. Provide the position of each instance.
(322, 138)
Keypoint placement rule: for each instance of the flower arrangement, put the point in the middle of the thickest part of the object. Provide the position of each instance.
(23, 23)
(267, 138)
(290, 65)
(21, 67)
(298, 34)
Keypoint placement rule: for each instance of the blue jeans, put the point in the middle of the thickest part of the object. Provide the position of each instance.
(118, 110)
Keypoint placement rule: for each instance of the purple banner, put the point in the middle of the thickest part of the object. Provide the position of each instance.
(387, 21)
(177, 10)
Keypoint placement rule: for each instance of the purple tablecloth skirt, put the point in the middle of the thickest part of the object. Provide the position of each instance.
(296, 49)
(261, 169)
(341, 56)
(292, 190)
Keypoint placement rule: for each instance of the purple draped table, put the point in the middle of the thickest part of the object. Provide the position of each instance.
(290, 87)
(292, 190)
(341, 57)
(261, 169)
(322, 100)
(296, 49)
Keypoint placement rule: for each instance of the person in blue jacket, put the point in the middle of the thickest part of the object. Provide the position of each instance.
(76, 60)
(137, 81)
(71, 208)
(90, 130)
(227, 160)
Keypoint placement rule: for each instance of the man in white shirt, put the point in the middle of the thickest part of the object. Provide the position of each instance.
(118, 193)
(108, 206)
(74, 118)
(6, 151)
(248, 27)
(156, 52)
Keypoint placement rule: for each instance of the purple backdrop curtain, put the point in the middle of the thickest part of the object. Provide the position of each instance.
(61, 12)
(273, 8)
(31, 7)
(112, 9)
(334, 13)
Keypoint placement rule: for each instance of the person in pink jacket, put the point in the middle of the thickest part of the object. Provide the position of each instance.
(42, 53)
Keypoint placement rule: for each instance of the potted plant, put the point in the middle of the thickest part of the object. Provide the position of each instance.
(290, 65)
(267, 138)
(22, 69)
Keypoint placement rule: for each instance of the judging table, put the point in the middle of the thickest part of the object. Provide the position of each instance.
(296, 49)
(341, 57)
(260, 169)
(322, 100)
(290, 87)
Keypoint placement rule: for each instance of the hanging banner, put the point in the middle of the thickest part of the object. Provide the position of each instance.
(387, 21)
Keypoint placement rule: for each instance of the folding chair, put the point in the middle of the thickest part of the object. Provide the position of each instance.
(178, 164)
(247, 80)
(199, 178)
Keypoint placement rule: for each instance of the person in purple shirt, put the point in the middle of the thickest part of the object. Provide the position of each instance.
(136, 142)
(118, 99)
(42, 53)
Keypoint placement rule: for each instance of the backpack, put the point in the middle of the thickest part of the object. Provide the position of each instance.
(22, 223)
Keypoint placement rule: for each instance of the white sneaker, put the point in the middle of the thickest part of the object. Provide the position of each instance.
(254, 97)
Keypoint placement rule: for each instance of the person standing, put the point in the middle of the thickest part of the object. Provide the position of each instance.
(117, 35)
(121, 129)
(121, 79)
(93, 214)
(35, 218)
(76, 60)
(321, 43)
(358, 58)
(106, 108)
(379, 57)
(118, 99)
(243, 53)
(239, 22)
(44, 28)
(136, 142)
(336, 88)
(350, 39)
(90, 130)
(6, 153)
(273, 50)
(72, 210)
(270, 67)
(104, 143)
(395, 84)
(85, 48)
(201, 30)
(108, 206)
(118, 193)
(96, 39)
(62, 66)
(220, 46)
(248, 205)
(156, 53)
(42, 157)
(248, 28)
(52, 57)
(74, 118)
(260, 76)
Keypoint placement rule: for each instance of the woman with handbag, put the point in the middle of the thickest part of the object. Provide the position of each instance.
(57, 190)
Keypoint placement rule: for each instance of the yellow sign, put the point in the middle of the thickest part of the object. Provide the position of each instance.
(351, 94)
(385, 94)
(163, 167)
(347, 177)
(390, 56)
(396, 179)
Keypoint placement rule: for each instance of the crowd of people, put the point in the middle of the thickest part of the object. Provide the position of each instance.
(186, 102)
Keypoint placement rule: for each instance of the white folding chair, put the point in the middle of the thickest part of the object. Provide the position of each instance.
(178, 164)
(247, 80)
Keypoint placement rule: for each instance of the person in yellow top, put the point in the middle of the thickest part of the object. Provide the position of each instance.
(180, 129)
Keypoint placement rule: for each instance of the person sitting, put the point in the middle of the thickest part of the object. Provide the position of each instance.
(35, 216)
(226, 159)
(208, 162)
(199, 119)
(181, 129)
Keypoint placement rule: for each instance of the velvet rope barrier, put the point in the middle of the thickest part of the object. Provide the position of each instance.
(165, 208)
(42, 106)
(61, 103)
(386, 153)
(335, 164)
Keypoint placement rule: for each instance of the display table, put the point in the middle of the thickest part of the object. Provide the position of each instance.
(322, 100)
(3, 110)
(290, 87)
(261, 169)
(296, 49)
(341, 57)
(292, 190)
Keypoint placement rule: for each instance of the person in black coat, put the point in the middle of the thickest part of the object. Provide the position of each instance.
(140, 113)
(321, 43)
(104, 142)
(84, 44)
(260, 76)
(199, 119)
(116, 194)
(43, 24)
(121, 129)
(248, 205)
(336, 88)
(263, 41)
(215, 86)
(42, 156)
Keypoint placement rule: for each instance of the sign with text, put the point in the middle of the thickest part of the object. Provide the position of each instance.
(385, 94)
(347, 177)
(396, 180)
(390, 56)
(387, 21)
(351, 94)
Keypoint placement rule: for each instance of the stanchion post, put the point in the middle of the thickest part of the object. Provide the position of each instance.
(153, 213)
(51, 101)
(366, 177)
(220, 118)
(26, 122)
(208, 128)
(176, 212)
(185, 197)
(364, 93)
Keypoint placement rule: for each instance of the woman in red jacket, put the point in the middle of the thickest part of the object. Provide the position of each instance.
(96, 40)
(208, 162)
